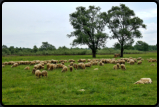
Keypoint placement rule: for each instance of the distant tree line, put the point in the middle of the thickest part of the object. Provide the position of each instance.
(49, 49)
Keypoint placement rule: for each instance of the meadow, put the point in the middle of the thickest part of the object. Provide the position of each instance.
(105, 86)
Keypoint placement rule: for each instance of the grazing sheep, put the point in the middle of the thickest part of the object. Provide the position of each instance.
(59, 66)
(71, 60)
(52, 66)
(152, 65)
(64, 69)
(3, 66)
(33, 71)
(88, 60)
(5, 63)
(131, 62)
(88, 64)
(139, 62)
(118, 66)
(44, 73)
(154, 60)
(123, 67)
(71, 63)
(144, 80)
(101, 64)
(71, 68)
(81, 65)
(38, 73)
(115, 67)
(75, 66)
(32, 63)
(14, 65)
(139, 58)
(27, 68)
(48, 66)
(62, 63)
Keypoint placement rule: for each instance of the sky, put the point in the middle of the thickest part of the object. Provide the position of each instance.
(25, 24)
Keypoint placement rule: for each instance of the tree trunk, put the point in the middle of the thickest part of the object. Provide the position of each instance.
(94, 53)
(121, 55)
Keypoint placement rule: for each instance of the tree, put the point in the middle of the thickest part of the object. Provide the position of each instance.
(124, 25)
(88, 26)
(11, 49)
(35, 49)
(4, 46)
(141, 46)
(46, 46)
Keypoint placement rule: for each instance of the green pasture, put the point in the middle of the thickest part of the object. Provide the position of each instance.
(105, 86)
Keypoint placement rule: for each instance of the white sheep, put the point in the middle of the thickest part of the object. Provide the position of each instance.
(123, 67)
(44, 73)
(143, 81)
(38, 73)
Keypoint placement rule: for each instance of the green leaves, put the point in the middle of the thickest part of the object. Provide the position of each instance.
(89, 25)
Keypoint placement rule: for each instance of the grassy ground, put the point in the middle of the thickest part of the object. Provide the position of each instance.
(103, 87)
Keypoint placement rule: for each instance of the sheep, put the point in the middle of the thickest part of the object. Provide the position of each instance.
(95, 63)
(123, 67)
(115, 67)
(27, 68)
(33, 71)
(154, 60)
(5, 63)
(59, 66)
(71, 60)
(48, 66)
(139, 62)
(118, 66)
(88, 64)
(75, 66)
(62, 63)
(64, 69)
(3, 66)
(144, 80)
(44, 73)
(71, 63)
(96, 69)
(14, 65)
(88, 60)
(139, 58)
(101, 64)
(131, 62)
(71, 68)
(38, 73)
(152, 65)
(52, 67)
(32, 63)
(81, 65)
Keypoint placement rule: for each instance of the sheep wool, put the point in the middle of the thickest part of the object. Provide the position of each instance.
(123, 67)
(115, 67)
(139, 62)
(3, 66)
(38, 73)
(143, 81)
(44, 73)
(27, 68)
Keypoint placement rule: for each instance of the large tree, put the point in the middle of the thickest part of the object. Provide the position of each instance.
(89, 27)
(124, 25)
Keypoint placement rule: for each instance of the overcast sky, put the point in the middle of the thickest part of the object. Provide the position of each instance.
(25, 24)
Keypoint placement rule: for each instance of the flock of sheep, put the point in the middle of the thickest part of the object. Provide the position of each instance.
(55, 64)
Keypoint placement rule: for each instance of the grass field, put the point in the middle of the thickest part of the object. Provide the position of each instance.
(102, 87)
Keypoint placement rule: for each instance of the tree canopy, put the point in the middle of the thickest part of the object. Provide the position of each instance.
(89, 27)
(124, 25)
